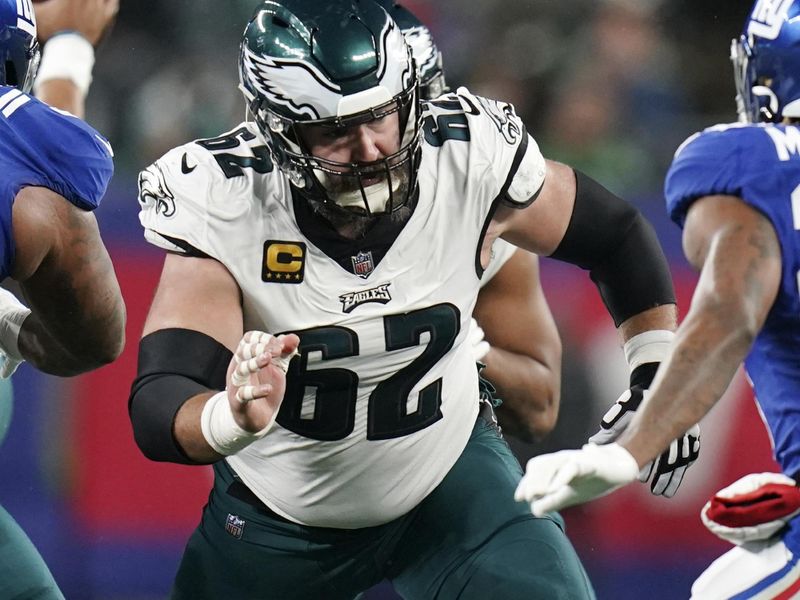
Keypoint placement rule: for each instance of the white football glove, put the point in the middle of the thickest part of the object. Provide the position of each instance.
(12, 314)
(668, 469)
(756, 507)
(480, 347)
(554, 481)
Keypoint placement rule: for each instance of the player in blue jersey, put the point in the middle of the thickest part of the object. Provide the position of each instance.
(53, 172)
(735, 191)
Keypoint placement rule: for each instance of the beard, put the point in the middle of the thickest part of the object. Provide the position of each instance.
(352, 220)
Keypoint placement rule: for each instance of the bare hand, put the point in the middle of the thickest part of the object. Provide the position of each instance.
(257, 378)
(91, 18)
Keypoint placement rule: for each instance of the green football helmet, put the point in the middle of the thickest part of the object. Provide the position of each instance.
(425, 52)
(333, 64)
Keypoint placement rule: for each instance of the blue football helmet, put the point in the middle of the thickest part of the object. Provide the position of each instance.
(427, 56)
(19, 50)
(766, 62)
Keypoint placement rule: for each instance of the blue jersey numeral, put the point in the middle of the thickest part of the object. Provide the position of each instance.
(26, 18)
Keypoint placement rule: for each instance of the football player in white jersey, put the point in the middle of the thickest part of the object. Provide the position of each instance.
(309, 334)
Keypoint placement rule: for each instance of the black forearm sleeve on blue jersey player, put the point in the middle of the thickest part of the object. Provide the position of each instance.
(613, 241)
(174, 365)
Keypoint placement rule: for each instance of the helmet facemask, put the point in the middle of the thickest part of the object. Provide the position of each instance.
(358, 188)
(755, 100)
(19, 59)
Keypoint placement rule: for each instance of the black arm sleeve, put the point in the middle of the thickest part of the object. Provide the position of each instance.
(614, 242)
(174, 365)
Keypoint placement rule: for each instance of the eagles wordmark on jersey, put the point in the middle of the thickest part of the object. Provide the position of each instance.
(382, 399)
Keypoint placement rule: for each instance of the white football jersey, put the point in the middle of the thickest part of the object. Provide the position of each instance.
(384, 396)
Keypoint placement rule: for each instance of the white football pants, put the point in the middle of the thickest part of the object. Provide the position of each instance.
(757, 570)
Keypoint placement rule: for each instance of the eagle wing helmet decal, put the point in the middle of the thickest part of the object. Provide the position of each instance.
(305, 90)
(423, 49)
(289, 83)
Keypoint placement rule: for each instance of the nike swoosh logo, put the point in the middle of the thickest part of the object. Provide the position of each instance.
(185, 168)
(106, 145)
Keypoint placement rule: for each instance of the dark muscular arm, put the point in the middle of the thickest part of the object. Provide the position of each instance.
(524, 362)
(78, 316)
(738, 253)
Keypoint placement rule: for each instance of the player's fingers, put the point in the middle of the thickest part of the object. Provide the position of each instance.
(673, 452)
(539, 473)
(241, 374)
(686, 447)
(552, 502)
(252, 344)
(659, 483)
(677, 479)
(249, 393)
(549, 476)
(674, 482)
(252, 350)
(564, 476)
(256, 337)
(282, 361)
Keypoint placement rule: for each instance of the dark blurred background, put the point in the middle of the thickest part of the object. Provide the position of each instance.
(609, 86)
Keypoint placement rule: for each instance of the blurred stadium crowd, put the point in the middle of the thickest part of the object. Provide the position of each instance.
(610, 86)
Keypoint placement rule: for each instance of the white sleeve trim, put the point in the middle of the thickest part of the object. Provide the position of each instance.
(530, 175)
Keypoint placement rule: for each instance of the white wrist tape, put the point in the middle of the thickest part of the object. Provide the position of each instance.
(648, 347)
(220, 429)
(12, 314)
(66, 55)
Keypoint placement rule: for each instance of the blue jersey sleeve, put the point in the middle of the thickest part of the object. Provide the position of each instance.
(704, 165)
(40, 146)
(43, 147)
(729, 160)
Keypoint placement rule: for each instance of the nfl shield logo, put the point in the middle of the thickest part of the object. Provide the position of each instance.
(362, 264)
(235, 526)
